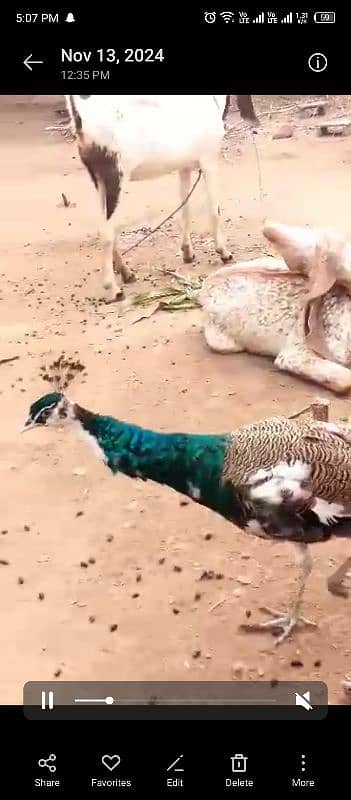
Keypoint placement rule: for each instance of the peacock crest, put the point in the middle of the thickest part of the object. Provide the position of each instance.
(61, 372)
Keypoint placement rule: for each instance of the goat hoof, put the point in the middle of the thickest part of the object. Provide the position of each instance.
(188, 255)
(116, 298)
(225, 256)
(129, 277)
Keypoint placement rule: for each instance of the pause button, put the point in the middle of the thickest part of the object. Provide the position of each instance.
(47, 701)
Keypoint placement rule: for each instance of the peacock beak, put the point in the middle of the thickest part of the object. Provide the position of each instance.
(29, 423)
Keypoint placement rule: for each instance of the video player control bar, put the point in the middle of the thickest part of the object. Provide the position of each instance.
(181, 699)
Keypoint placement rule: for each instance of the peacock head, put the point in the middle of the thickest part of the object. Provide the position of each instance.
(51, 409)
(55, 408)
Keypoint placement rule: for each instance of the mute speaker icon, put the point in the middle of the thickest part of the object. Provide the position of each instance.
(303, 700)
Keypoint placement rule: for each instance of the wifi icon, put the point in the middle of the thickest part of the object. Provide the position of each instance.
(227, 16)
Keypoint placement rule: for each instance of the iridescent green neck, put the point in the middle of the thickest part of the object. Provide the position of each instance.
(189, 463)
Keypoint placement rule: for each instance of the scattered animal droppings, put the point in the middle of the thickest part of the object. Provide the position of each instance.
(135, 595)
(175, 610)
(3, 533)
(84, 564)
(207, 575)
(92, 560)
(109, 538)
(58, 673)
(177, 569)
(138, 577)
(196, 653)
(161, 560)
(317, 663)
(248, 614)
(296, 663)
(79, 513)
(197, 596)
(27, 528)
(41, 596)
(113, 627)
(208, 536)
(184, 502)
(219, 576)
(4, 562)
(20, 581)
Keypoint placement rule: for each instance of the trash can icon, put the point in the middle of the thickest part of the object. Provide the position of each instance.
(238, 762)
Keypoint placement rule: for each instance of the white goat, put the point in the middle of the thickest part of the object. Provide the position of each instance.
(296, 309)
(136, 137)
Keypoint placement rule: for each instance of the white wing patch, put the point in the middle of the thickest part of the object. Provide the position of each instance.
(328, 513)
(278, 483)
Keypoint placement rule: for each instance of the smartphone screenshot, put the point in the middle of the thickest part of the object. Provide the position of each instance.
(175, 424)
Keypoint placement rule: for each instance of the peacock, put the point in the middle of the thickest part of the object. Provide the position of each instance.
(280, 478)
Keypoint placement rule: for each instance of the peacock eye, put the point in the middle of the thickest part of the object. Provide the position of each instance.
(44, 416)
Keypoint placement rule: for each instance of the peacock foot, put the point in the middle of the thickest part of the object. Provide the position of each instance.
(285, 621)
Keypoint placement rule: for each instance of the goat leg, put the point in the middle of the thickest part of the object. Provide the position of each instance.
(299, 360)
(187, 248)
(214, 212)
(119, 266)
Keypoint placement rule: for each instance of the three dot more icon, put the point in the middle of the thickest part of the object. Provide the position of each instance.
(303, 763)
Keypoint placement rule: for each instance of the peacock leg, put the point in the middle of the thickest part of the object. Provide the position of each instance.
(339, 582)
(288, 620)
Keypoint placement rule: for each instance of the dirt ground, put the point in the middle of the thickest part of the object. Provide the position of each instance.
(61, 508)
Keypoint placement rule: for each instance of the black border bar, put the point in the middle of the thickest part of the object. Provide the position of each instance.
(198, 58)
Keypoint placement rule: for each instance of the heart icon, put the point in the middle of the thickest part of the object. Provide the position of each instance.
(111, 762)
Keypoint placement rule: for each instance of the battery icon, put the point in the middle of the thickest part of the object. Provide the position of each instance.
(324, 16)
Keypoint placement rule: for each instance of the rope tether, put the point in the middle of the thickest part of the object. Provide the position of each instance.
(149, 233)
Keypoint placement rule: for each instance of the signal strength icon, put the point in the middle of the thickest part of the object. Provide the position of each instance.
(259, 18)
(227, 16)
(288, 18)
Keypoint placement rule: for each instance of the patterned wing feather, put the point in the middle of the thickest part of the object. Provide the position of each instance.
(295, 478)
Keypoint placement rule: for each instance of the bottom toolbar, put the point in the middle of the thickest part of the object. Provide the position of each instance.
(118, 770)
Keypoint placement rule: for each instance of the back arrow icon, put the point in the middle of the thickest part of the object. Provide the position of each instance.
(28, 63)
